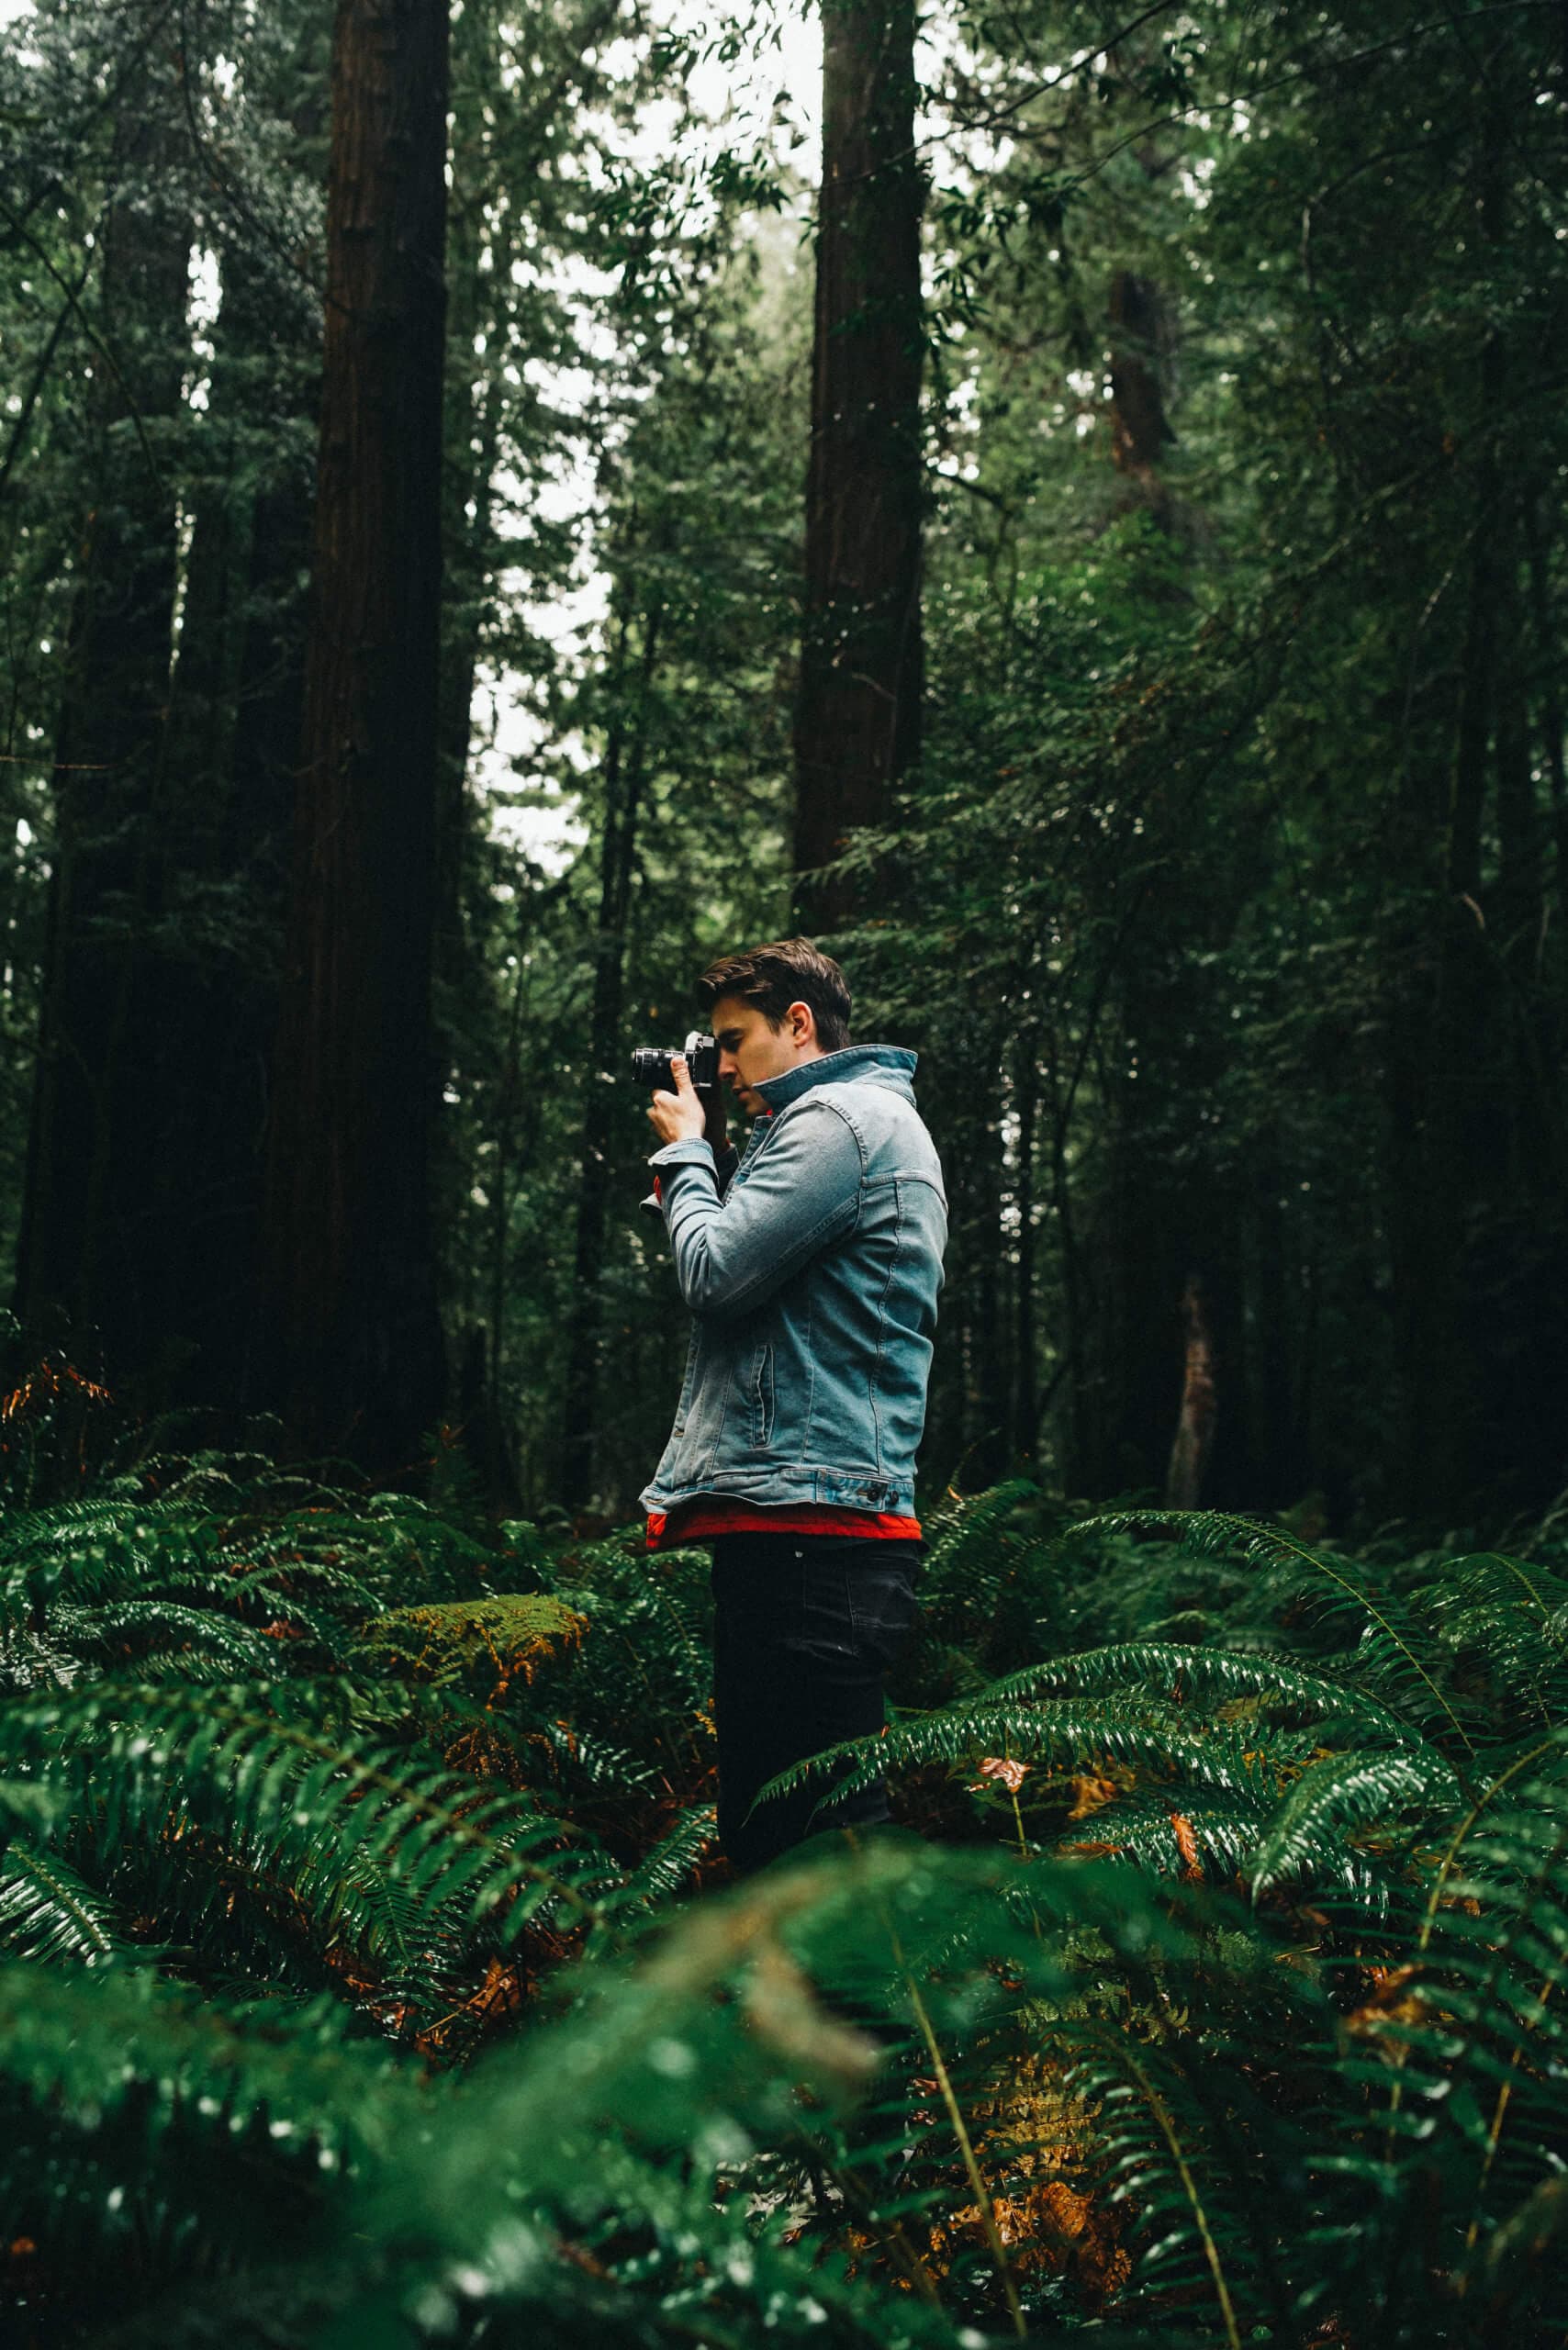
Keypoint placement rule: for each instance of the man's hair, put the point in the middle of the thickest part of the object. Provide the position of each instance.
(786, 971)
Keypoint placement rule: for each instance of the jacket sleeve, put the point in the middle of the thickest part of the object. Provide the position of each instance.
(729, 1158)
(802, 1193)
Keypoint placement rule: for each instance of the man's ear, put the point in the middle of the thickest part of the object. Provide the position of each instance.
(802, 1024)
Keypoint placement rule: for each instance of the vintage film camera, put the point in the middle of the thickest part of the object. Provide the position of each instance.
(651, 1064)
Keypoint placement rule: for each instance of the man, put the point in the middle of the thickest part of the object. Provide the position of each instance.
(812, 1264)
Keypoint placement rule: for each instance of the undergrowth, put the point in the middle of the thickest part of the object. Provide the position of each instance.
(355, 1989)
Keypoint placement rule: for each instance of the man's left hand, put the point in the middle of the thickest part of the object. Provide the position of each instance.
(680, 1117)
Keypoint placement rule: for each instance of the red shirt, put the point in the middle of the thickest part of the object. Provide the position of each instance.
(706, 1514)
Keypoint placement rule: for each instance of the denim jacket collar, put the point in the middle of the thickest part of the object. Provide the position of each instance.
(890, 1065)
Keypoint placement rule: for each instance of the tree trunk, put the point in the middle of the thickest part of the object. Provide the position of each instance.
(1025, 1369)
(976, 1182)
(90, 1248)
(1197, 1419)
(624, 765)
(858, 707)
(1141, 431)
(475, 398)
(234, 734)
(1544, 640)
(350, 1231)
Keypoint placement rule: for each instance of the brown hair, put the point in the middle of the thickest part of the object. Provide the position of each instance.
(786, 971)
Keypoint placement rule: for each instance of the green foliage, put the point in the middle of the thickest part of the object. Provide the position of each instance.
(357, 1958)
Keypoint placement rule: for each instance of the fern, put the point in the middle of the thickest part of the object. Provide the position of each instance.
(1348, 1794)
(346, 1908)
(1391, 1653)
(1276, 1683)
(48, 1911)
(194, 1795)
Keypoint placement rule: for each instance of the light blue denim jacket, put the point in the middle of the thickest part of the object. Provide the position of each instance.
(812, 1277)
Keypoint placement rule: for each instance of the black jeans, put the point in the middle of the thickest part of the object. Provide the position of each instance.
(806, 1625)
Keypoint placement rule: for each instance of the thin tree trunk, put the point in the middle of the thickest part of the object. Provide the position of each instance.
(1197, 1421)
(475, 399)
(858, 707)
(1081, 1448)
(625, 761)
(1470, 1115)
(1548, 652)
(1026, 1384)
(1517, 901)
(979, 1188)
(1140, 430)
(350, 1241)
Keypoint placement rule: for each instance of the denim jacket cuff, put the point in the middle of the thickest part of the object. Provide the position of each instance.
(692, 1150)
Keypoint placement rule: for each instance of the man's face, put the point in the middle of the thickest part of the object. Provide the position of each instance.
(749, 1050)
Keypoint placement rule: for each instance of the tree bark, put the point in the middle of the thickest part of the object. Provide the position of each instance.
(235, 720)
(1196, 1421)
(358, 1348)
(624, 769)
(1544, 640)
(1026, 1375)
(858, 706)
(90, 1247)
(1140, 430)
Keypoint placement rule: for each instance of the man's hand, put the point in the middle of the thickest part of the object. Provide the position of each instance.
(680, 1117)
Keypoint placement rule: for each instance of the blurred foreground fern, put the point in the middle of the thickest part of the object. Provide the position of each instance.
(349, 1994)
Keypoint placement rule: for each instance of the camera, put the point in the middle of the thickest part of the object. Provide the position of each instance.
(651, 1063)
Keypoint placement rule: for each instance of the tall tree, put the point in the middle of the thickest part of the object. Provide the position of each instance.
(93, 1243)
(857, 709)
(359, 1357)
(625, 773)
(235, 717)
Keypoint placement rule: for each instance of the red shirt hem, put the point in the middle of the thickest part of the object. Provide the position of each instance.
(708, 1515)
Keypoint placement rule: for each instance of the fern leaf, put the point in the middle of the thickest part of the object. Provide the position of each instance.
(1350, 1585)
(1347, 1794)
(48, 1911)
(1219, 1672)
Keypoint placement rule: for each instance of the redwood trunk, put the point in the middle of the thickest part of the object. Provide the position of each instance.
(857, 710)
(234, 737)
(351, 1242)
(92, 1246)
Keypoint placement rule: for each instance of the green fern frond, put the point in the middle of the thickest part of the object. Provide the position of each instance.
(1155, 2130)
(1193, 1673)
(86, 2049)
(1392, 1643)
(1141, 1829)
(132, 1628)
(1346, 1794)
(1510, 1617)
(667, 1869)
(1481, 1578)
(49, 1912)
(394, 1854)
(589, 1764)
(1079, 1730)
